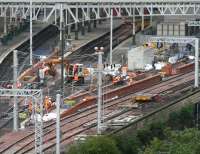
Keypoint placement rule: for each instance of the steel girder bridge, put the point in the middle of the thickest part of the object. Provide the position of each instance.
(83, 10)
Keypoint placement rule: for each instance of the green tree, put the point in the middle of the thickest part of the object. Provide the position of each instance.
(95, 145)
(179, 142)
(127, 144)
(182, 119)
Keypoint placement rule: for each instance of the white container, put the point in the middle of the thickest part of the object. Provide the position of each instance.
(140, 56)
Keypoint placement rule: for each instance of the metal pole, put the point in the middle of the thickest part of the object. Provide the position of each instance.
(5, 24)
(76, 24)
(69, 26)
(58, 96)
(151, 20)
(197, 116)
(31, 34)
(142, 26)
(55, 17)
(196, 82)
(133, 26)
(99, 103)
(62, 49)
(111, 34)
(15, 108)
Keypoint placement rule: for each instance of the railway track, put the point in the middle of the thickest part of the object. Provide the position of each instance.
(120, 34)
(48, 33)
(49, 140)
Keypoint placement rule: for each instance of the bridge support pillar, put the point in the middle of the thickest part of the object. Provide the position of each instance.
(196, 81)
(76, 31)
(142, 16)
(95, 24)
(83, 28)
(133, 27)
(76, 25)
(5, 25)
(100, 21)
(89, 26)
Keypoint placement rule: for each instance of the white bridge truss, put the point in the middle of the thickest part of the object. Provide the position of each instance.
(37, 100)
(83, 11)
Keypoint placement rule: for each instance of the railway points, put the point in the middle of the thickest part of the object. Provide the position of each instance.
(150, 58)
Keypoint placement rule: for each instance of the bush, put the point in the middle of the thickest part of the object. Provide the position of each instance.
(127, 144)
(96, 145)
(182, 119)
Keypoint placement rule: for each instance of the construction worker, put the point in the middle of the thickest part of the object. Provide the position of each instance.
(46, 103)
(30, 106)
(76, 77)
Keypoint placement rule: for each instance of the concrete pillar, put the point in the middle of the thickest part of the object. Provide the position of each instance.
(69, 26)
(76, 31)
(15, 106)
(196, 80)
(100, 21)
(76, 25)
(111, 36)
(89, 26)
(58, 129)
(95, 24)
(151, 20)
(5, 25)
(142, 26)
(89, 22)
(83, 28)
(133, 26)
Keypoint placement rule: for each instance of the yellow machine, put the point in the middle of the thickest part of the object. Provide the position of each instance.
(143, 98)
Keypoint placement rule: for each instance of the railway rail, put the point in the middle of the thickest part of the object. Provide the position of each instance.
(49, 137)
(46, 34)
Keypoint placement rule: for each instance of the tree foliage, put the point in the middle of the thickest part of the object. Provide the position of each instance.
(179, 142)
(95, 145)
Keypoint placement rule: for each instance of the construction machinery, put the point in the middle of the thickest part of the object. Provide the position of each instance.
(144, 98)
(75, 72)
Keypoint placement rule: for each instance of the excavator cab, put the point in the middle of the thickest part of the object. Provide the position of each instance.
(74, 72)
